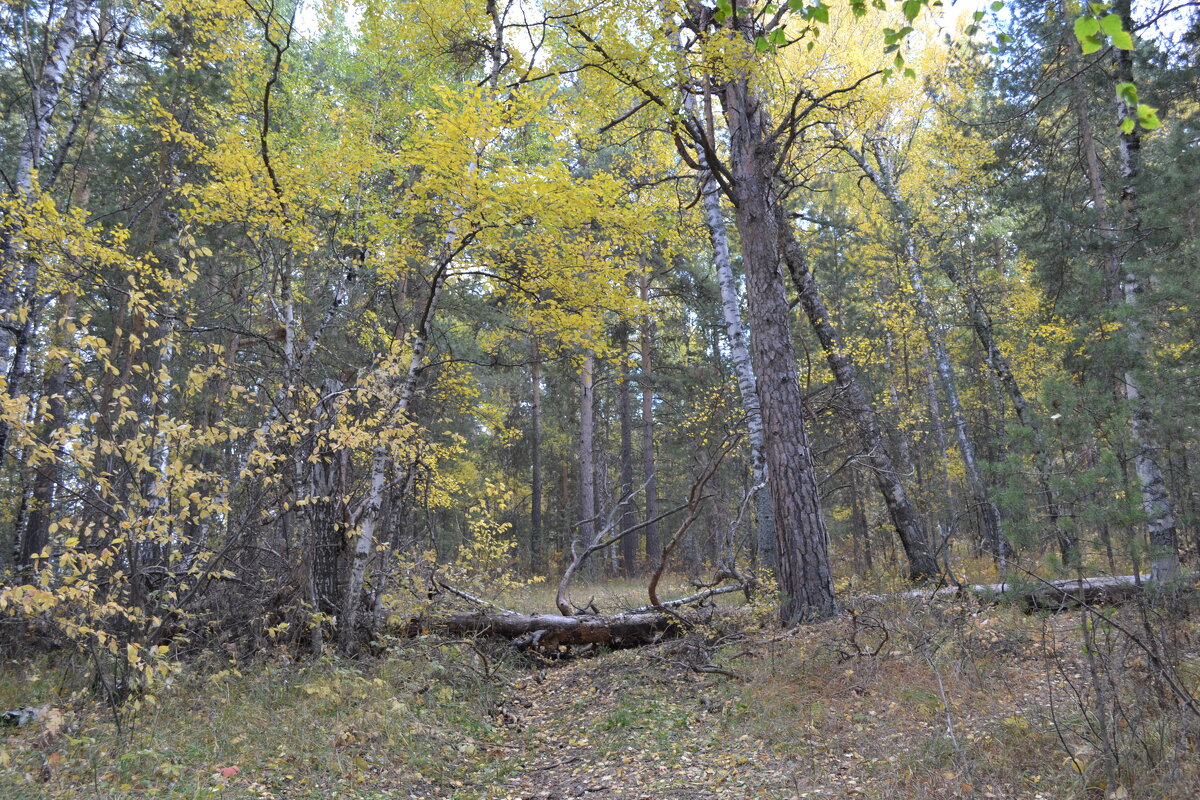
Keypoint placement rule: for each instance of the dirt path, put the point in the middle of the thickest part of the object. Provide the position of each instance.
(619, 727)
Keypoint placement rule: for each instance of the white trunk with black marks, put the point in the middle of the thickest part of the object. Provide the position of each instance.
(989, 515)
(882, 176)
(44, 92)
(1156, 502)
(981, 321)
(739, 349)
(743, 368)
(364, 541)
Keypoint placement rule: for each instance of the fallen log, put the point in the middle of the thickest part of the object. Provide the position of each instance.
(1045, 596)
(549, 632)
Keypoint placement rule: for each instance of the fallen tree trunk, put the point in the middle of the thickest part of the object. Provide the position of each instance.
(549, 632)
(1048, 595)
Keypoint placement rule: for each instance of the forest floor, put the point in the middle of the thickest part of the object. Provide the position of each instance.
(947, 701)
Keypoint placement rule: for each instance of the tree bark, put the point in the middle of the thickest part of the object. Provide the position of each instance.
(646, 336)
(1156, 502)
(19, 276)
(537, 533)
(628, 510)
(883, 176)
(364, 541)
(981, 322)
(549, 632)
(805, 577)
(324, 508)
(743, 367)
(585, 533)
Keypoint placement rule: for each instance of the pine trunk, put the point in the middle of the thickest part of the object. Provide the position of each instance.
(802, 541)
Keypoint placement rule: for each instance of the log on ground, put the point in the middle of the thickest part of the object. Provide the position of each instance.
(1046, 596)
(547, 632)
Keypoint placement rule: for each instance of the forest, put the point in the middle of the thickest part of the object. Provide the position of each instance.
(599, 398)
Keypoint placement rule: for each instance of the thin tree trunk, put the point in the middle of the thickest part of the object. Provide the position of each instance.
(364, 541)
(628, 511)
(324, 509)
(1156, 502)
(921, 563)
(646, 335)
(537, 533)
(861, 528)
(49, 474)
(981, 322)
(586, 530)
(881, 174)
(743, 368)
(19, 276)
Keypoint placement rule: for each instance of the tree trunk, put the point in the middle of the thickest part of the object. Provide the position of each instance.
(364, 541)
(653, 543)
(861, 528)
(804, 571)
(921, 563)
(628, 510)
(883, 176)
(743, 368)
(981, 322)
(586, 531)
(49, 473)
(1160, 517)
(324, 508)
(550, 632)
(18, 276)
(537, 533)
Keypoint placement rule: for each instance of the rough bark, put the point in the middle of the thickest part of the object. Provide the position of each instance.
(804, 571)
(325, 507)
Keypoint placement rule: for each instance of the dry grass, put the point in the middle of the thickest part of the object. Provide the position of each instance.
(902, 701)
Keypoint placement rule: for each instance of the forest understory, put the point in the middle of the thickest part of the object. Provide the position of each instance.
(901, 698)
(488, 399)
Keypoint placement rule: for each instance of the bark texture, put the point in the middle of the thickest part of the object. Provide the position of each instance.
(743, 369)
(804, 572)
